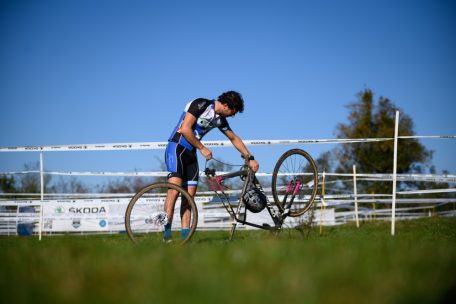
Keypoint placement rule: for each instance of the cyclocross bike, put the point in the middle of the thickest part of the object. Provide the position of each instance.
(294, 188)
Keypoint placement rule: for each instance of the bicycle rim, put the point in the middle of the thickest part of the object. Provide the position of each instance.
(145, 217)
(295, 165)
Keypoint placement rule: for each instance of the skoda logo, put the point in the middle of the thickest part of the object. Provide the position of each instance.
(102, 223)
(59, 210)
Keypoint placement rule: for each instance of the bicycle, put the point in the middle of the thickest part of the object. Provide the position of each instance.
(294, 188)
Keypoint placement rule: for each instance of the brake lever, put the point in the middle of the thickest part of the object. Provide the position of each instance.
(209, 172)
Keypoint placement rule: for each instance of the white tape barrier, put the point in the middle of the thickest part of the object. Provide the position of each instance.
(385, 214)
(88, 173)
(426, 191)
(162, 145)
(214, 143)
(448, 178)
(401, 177)
(210, 199)
(427, 137)
(384, 211)
(227, 191)
(348, 202)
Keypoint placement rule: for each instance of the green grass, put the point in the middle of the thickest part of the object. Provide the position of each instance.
(342, 265)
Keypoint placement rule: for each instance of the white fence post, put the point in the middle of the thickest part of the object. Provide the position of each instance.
(322, 201)
(40, 223)
(393, 209)
(356, 196)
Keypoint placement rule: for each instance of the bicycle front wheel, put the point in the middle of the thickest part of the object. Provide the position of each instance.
(295, 182)
(145, 217)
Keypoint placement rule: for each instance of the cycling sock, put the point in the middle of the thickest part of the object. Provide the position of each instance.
(167, 232)
(184, 232)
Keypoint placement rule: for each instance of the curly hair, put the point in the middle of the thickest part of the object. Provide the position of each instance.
(233, 99)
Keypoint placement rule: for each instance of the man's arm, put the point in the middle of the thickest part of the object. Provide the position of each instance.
(186, 130)
(239, 144)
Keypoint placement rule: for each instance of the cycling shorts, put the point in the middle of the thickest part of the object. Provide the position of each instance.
(182, 163)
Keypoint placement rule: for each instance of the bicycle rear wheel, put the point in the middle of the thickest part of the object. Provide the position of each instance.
(145, 217)
(295, 179)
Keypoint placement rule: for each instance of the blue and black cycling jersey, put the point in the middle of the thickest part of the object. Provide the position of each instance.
(206, 120)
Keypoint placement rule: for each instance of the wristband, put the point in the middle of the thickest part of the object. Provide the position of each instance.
(251, 158)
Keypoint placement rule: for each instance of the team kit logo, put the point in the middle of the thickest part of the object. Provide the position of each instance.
(204, 122)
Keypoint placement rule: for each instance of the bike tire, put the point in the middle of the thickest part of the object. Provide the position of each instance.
(144, 222)
(292, 165)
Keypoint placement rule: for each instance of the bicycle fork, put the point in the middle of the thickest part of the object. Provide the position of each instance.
(292, 188)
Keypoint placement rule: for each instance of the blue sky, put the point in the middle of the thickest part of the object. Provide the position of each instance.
(76, 72)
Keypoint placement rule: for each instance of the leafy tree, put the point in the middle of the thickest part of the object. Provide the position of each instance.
(126, 184)
(324, 162)
(69, 185)
(7, 184)
(31, 183)
(370, 119)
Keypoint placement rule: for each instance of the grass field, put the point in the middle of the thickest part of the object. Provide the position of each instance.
(342, 265)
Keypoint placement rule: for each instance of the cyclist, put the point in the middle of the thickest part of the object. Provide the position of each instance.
(199, 117)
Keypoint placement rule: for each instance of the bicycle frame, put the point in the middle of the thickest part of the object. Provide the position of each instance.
(248, 176)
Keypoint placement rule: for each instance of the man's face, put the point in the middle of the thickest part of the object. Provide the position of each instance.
(227, 111)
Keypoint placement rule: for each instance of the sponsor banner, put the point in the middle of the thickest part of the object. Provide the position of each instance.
(71, 216)
(75, 224)
(104, 214)
(75, 210)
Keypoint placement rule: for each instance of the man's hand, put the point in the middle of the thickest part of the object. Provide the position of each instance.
(206, 153)
(253, 164)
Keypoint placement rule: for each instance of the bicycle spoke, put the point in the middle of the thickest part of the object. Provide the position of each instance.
(294, 167)
(145, 218)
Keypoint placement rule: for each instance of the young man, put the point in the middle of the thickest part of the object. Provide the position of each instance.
(199, 117)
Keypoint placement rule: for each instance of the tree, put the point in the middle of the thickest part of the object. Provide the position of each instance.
(324, 162)
(7, 184)
(370, 119)
(69, 185)
(31, 182)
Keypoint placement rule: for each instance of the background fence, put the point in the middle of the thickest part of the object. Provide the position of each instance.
(27, 213)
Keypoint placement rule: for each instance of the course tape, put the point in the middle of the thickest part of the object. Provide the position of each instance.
(426, 191)
(162, 145)
(214, 143)
(401, 177)
(448, 178)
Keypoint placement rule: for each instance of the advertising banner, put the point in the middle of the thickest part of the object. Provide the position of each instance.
(72, 216)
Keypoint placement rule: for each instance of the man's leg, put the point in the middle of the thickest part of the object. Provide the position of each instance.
(185, 211)
(170, 201)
